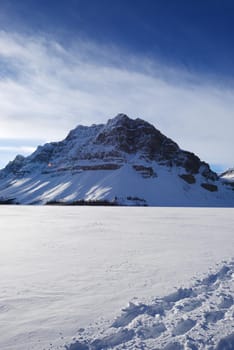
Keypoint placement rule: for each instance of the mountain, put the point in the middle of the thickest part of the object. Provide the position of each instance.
(228, 176)
(122, 162)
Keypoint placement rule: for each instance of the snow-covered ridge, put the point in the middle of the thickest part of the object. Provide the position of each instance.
(125, 161)
(195, 318)
(228, 175)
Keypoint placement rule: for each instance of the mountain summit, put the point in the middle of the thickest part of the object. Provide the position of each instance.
(122, 162)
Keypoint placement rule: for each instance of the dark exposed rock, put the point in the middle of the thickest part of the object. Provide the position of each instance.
(192, 163)
(189, 178)
(210, 187)
(206, 172)
(108, 147)
(169, 149)
(145, 171)
(131, 136)
(78, 168)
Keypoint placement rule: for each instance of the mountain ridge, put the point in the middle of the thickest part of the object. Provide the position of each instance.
(125, 161)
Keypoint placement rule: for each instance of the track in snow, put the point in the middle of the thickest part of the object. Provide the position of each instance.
(200, 317)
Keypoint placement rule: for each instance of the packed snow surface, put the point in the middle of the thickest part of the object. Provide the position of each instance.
(82, 278)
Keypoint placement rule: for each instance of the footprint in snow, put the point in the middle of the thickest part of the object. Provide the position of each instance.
(151, 332)
(133, 311)
(77, 346)
(183, 300)
(180, 294)
(214, 316)
(183, 326)
(191, 305)
(226, 302)
(174, 346)
(107, 342)
(112, 340)
(226, 343)
(211, 279)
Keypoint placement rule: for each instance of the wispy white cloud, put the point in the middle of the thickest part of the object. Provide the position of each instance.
(51, 89)
(17, 149)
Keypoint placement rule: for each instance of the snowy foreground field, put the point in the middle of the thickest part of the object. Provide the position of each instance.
(80, 278)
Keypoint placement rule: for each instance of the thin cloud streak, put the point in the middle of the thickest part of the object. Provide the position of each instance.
(52, 89)
(19, 149)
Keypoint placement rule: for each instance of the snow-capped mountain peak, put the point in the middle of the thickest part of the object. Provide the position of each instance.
(125, 161)
(228, 175)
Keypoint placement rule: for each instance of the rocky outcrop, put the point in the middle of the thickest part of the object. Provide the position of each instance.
(189, 178)
(145, 171)
(209, 187)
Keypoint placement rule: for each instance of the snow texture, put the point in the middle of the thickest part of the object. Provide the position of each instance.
(66, 273)
(201, 317)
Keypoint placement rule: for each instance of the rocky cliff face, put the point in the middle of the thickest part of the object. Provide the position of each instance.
(108, 151)
(110, 145)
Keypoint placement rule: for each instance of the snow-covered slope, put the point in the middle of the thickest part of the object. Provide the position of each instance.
(124, 162)
(228, 176)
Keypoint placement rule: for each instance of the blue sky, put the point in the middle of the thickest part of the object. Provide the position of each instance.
(170, 62)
